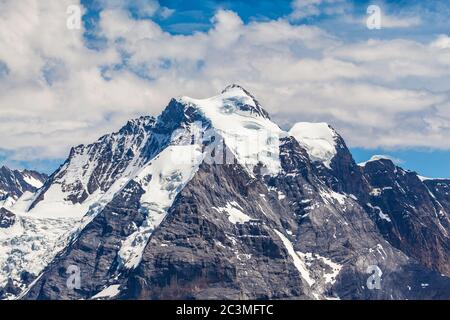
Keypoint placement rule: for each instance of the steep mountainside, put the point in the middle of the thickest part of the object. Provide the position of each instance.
(213, 200)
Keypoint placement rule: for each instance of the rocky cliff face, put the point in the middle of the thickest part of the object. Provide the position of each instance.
(7, 218)
(14, 183)
(205, 208)
(409, 214)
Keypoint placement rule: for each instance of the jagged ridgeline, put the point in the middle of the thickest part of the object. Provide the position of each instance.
(213, 200)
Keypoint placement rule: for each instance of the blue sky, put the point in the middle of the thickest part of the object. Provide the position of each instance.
(428, 163)
(386, 91)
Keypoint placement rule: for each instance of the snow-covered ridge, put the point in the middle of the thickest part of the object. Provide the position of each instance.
(319, 140)
(92, 172)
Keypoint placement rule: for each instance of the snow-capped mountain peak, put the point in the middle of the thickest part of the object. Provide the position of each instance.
(319, 140)
(236, 99)
(244, 125)
(235, 90)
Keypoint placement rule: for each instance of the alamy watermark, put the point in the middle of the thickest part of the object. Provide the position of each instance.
(74, 279)
(373, 22)
(73, 21)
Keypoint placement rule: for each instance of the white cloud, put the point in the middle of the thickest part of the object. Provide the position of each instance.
(55, 93)
(442, 42)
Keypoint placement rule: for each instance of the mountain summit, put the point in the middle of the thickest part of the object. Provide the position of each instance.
(212, 200)
(235, 89)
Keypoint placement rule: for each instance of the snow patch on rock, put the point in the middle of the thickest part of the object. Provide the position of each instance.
(109, 292)
(32, 181)
(329, 276)
(298, 261)
(332, 196)
(234, 212)
(380, 212)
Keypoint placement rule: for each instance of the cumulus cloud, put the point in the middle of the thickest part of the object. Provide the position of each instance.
(55, 92)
